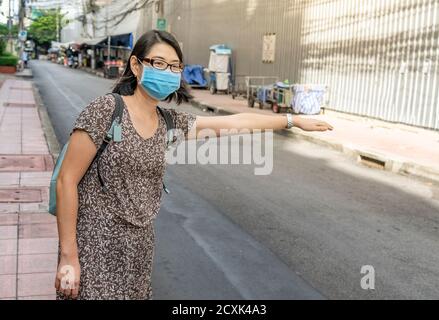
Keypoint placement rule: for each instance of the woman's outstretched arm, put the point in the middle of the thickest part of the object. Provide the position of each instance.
(251, 121)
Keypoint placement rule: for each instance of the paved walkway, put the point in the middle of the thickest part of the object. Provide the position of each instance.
(398, 148)
(28, 234)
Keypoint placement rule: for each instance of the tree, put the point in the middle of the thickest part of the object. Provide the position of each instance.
(4, 30)
(43, 30)
(4, 35)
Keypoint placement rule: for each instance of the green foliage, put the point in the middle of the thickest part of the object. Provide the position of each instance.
(2, 46)
(43, 29)
(4, 31)
(4, 34)
(8, 59)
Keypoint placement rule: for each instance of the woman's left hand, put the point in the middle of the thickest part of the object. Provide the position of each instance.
(312, 124)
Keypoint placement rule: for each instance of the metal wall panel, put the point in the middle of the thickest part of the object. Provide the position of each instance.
(380, 58)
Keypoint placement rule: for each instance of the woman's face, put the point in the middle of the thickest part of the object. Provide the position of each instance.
(160, 52)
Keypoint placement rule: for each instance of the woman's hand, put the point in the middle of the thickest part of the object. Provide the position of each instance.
(68, 275)
(311, 124)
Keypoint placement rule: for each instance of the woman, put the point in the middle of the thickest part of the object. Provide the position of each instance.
(107, 238)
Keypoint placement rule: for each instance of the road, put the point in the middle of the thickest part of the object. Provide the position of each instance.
(304, 231)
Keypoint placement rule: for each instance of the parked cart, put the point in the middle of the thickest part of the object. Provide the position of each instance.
(239, 86)
(282, 97)
(260, 89)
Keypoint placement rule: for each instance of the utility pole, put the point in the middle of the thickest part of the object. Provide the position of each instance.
(107, 32)
(57, 23)
(10, 25)
(21, 6)
(162, 9)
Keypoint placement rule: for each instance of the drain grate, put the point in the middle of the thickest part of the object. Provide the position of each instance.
(372, 162)
(20, 195)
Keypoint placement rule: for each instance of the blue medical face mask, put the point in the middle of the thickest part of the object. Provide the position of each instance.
(159, 83)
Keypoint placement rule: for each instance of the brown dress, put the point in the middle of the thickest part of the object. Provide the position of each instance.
(115, 230)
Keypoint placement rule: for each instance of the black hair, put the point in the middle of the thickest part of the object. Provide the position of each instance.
(126, 85)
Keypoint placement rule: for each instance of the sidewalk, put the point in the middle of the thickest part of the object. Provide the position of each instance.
(28, 234)
(393, 147)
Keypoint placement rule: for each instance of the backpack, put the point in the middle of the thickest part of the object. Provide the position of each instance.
(113, 134)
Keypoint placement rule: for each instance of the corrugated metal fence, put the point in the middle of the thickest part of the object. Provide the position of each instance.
(380, 58)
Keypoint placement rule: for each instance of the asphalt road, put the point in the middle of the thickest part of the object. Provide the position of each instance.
(304, 231)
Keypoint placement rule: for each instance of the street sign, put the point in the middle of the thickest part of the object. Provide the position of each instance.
(22, 35)
(161, 24)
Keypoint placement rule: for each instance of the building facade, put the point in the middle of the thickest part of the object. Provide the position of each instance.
(379, 58)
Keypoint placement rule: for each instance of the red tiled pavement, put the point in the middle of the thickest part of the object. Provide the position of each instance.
(39, 207)
(14, 163)
(8, 286)
(37, 230)
(20, 195)
(33, 284)
(11, 179)
(38, 245)
(35, 179)
(9, 207)
(19, 97)
(37, 263)
(8, 247)
(8, 264)
(8, 232)
(44, 297)
(7, 219)
(28, 234)
(33, 217)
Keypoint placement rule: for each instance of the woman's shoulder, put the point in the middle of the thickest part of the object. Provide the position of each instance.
(100, 106)
(103, 102)
(95, 117)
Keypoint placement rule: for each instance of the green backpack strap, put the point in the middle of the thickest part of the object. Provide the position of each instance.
(113, 132)
(55, 173)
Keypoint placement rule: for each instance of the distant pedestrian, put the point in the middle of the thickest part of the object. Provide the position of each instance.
(24, 58)
(106, 238)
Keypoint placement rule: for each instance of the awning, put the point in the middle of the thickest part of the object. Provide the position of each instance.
(94, 41)
(124, 41)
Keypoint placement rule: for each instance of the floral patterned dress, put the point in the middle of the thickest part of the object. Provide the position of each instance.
(115, 231)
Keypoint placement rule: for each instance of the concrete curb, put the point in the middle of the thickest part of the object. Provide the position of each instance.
(371, 158)
(208, 108)
(49, 132)
(25, 74)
